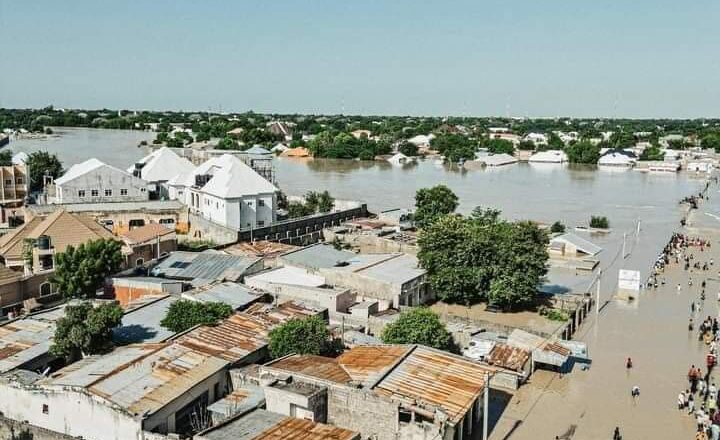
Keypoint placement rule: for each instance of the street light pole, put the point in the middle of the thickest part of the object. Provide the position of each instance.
(486, 405)
(597, 294)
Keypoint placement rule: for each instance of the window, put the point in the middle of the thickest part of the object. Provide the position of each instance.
(45, 289)
(108, 193)
(94, 192)
(8, 182)
(81, 193)
(167, 221)
(139, 262)
(123, 191)
(261, 223)
(136, 223)
(404, 416)
(142, 189)
(250, 202)
(261, 202)
(45, 409)
(19, 180)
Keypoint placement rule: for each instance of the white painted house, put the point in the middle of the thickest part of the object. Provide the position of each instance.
(93, 181)
(549, 156)
(228, 192)
(159, 167)
(618, 158)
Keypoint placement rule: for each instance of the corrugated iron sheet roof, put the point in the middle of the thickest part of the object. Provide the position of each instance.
(319, 367)
(207, 265)
(506, 356)
(435, 379)
(365, 363)
(25, 339)
(244, 332)
(151, 231)
(236, 295)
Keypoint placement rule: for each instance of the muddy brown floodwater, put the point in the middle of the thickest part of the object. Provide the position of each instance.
(653, 332)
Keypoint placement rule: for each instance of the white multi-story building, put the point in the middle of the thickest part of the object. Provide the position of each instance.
(228, 192)
(93, 181)
(158, 168)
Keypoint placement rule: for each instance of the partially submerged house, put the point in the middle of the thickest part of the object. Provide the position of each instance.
(569, 245)
(549, 156)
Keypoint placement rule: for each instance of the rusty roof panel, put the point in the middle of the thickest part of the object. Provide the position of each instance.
(365, 363)
(299, 429)
(435, 379)
(506, 356)
(320, 367)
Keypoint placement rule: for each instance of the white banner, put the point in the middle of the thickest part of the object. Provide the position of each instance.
(629, 280)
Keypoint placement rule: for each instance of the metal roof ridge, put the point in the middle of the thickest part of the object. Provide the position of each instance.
(390, 368)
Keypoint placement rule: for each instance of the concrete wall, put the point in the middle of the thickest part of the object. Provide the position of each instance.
(101, 179)
(253, 211)
(68, 412)
(284, 401)
(13, 294)
(331, 299)
(14, 430)
(204, 229)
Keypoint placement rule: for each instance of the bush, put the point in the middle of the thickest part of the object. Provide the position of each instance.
(185, 314)
(418, 325)
(599, 222)
(301, 336)
(557, 228)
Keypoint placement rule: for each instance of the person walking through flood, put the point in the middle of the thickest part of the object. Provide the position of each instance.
(628, 363)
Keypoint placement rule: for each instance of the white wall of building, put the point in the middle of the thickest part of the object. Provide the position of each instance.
(69, 412)
(91, 187)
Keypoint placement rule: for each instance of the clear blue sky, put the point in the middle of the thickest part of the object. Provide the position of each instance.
(639, 58)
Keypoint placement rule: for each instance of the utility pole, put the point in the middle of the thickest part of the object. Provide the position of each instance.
(486, 405)
(624, 240)
(637, 232)
(597, 295)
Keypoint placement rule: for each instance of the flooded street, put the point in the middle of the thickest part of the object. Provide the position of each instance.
(653, 332)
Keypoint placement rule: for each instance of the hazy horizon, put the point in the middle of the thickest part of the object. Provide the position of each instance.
(601, 59)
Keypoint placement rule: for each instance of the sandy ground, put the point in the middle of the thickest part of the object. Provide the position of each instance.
(653, 331)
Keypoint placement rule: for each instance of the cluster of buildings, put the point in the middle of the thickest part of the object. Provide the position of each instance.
(219, 381)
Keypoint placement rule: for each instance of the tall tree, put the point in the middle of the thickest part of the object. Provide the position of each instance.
(40, 164)
(85, 330)
(583, 152)
(433, 203)
(301, 336)
(185, 314)
(81, 271)
(484, 258)
(418, 325)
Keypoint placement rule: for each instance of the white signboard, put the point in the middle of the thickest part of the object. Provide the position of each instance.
(629, 280)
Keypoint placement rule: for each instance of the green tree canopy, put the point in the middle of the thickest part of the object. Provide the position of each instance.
(418, 325)
(499, 146)
(652, 152)
(583, 152)
(5, 157)
(483, 258)
(711, 141)
(185, 314)
(301, 336)
(41, 163)
(433, 203)
(454, 146)
(408, 149)
(81, 271)
(85, 330)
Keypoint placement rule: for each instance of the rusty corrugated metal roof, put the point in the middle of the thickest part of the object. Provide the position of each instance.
(507, 356)
(319, 367)
(365, 363)
(292, 428)
(435, 379)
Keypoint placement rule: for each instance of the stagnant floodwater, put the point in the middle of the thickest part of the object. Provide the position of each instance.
(541, 192)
